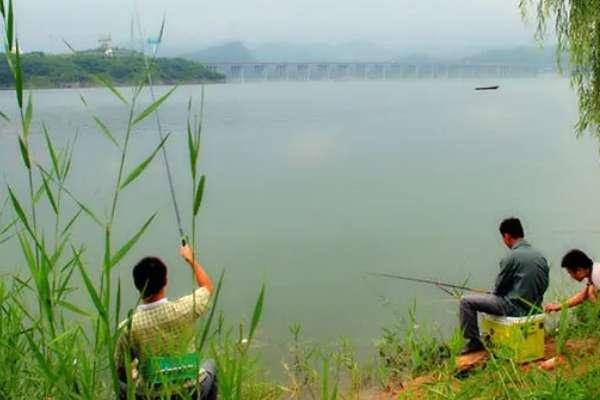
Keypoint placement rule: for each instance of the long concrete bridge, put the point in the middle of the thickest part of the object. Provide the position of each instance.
(336, 71)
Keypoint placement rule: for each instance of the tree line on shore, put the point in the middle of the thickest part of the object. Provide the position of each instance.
(42, 70)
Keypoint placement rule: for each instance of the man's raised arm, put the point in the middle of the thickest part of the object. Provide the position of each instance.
(201, 276)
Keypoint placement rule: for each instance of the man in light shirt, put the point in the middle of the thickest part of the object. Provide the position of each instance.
(580, 267)
(162, 328)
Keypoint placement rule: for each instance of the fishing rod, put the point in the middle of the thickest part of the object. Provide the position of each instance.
(439, 284)
(161, 136)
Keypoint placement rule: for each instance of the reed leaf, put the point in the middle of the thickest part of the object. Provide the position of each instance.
(28, 116)
(25, 310)
(18, 76)
(109, 85)
(152, 107)
(45, 293)
(71, 222)
(50, 196)
(118, 304)
(88, 212)
(104, 129)
(52, 151)
(29, 258)
(41, 360)
(4, 116)
(79, 203)
(239, 369)
(191, 149)
(7, 227)
(89, 286)
(325, 380)
(38, 194)
(73, 308)
(65, 281)
(24, 153)
(68, 159)
(19, 210)
(10, 26)
(6, 239)
(106, 262)
(162, 29)
(24, 284)
(59, 251)
(258, 308)
(130, 243)
(70, 263)
(211, 315)
(198, 195)
(142, 166)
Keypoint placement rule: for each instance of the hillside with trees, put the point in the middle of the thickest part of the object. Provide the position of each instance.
(79, 70)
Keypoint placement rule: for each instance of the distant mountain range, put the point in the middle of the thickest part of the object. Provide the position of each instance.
(345, 52)
(228, 52)
(363, 52)
(516, 56)
(286, 52)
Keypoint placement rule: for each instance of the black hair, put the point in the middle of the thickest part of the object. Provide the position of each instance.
(513, 227)
(575, 259)
(150, 276)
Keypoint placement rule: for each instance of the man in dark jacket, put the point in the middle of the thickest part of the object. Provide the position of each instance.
(519, 288)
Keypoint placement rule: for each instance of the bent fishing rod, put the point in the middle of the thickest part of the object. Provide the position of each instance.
(430, 282)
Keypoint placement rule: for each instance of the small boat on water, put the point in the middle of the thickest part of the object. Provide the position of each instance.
(487, 87)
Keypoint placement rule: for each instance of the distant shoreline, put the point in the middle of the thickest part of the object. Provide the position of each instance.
(78, 85)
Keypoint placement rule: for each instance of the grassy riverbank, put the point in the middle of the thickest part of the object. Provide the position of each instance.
(573, 336)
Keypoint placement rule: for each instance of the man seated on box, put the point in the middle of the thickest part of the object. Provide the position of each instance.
(166, 329)
(519, 288)
(580, 267)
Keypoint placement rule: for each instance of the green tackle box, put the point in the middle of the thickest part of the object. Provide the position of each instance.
(519, 338)
(161, 370)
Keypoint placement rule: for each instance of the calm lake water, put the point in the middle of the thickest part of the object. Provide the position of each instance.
(310, 185)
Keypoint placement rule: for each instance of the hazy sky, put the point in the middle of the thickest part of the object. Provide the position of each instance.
(398, 24)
